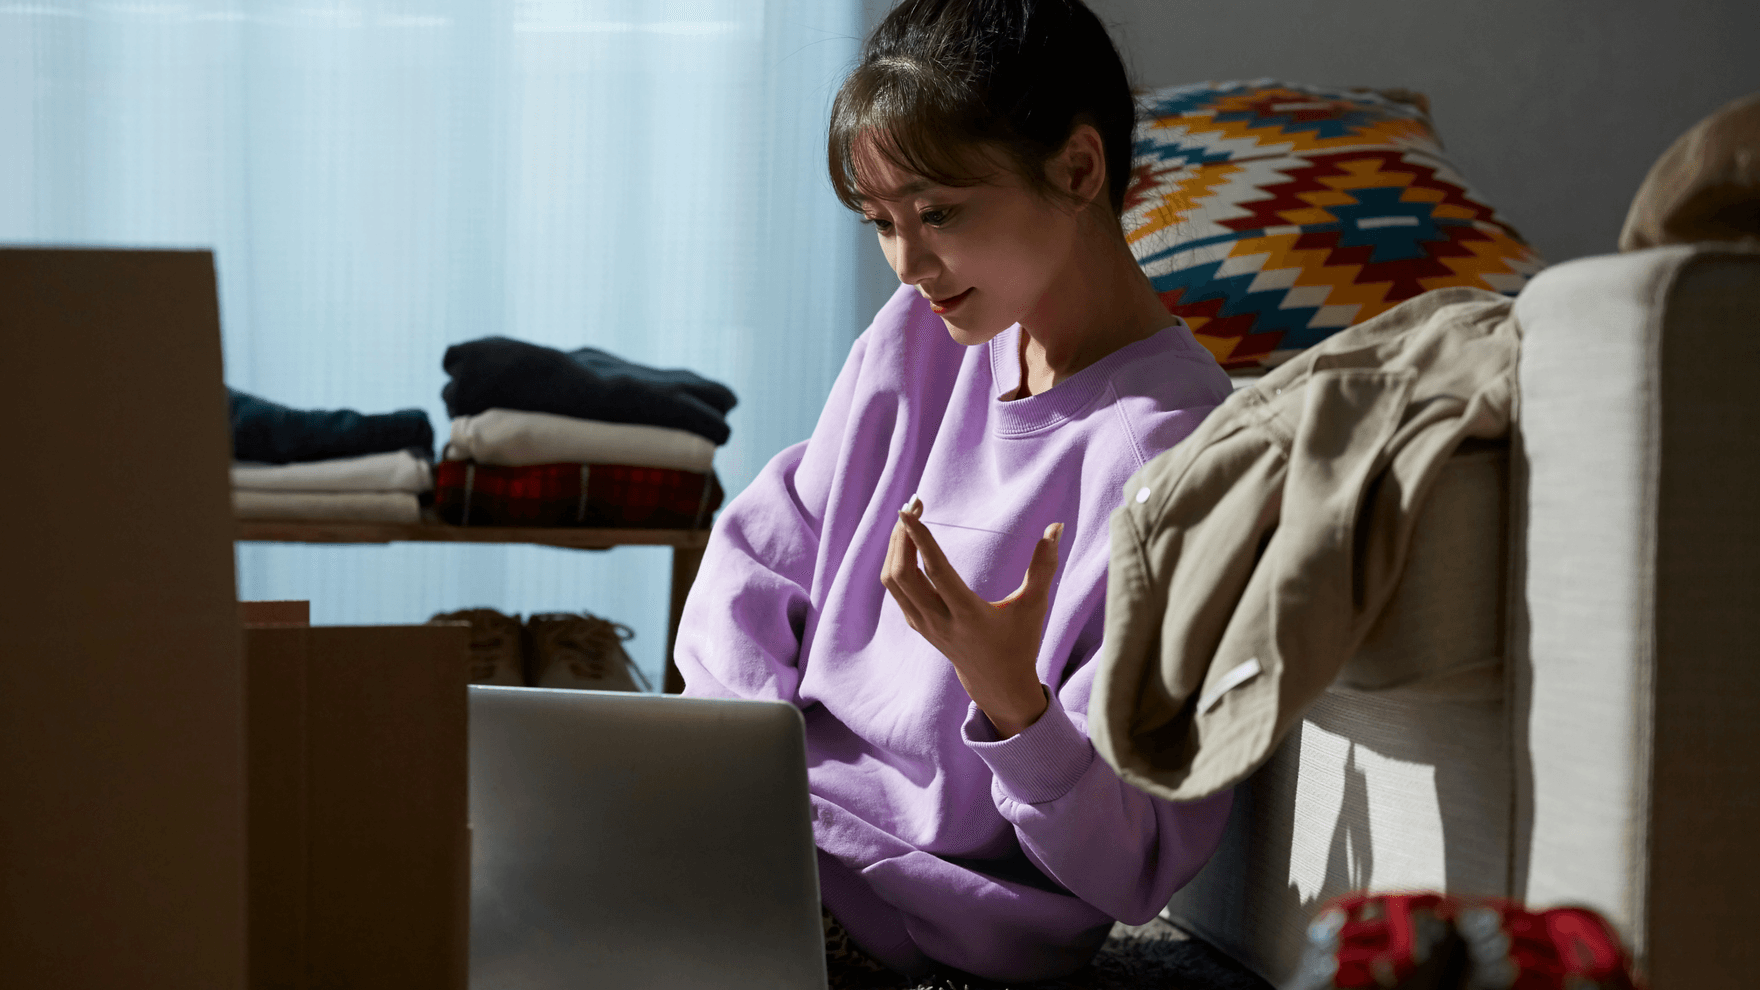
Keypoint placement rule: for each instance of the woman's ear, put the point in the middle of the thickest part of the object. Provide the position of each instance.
(1079, 169)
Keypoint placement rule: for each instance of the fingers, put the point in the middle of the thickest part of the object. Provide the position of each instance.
(1036, 583)
(935, 565)
(916, 597)
(1044, 563)
(935, 591)
(913, 616)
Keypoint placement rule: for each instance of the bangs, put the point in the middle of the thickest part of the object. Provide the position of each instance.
(954, 92)
(889, 109)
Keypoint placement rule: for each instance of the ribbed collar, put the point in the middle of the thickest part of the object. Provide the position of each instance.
(1068, 397)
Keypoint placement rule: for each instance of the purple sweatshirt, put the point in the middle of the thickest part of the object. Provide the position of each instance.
(1008, 859)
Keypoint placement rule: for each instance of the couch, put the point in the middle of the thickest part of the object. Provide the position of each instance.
(1574, 720)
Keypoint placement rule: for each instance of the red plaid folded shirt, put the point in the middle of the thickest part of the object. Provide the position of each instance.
(595, 495)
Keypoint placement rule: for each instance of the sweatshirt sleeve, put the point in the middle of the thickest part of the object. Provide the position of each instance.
(740, 633)
(1105, 841)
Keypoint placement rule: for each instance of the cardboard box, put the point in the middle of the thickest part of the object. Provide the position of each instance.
(122, 788)
(359, 851)
(275, 613)
(123, 694)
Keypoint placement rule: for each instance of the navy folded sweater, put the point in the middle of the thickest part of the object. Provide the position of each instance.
(272, 433)
(501, 373)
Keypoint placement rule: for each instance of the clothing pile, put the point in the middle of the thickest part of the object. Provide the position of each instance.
(332, 465)
(543, 437)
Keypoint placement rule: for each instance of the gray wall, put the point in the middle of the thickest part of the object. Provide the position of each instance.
(1552, 109)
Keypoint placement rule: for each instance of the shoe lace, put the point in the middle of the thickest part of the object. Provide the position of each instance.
(489, 633)
(592, 641)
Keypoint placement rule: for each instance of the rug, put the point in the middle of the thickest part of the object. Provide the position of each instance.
(1155, 956)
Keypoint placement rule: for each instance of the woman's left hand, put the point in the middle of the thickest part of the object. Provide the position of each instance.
(992, 645)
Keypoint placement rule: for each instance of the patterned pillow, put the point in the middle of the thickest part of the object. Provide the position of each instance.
(1271, 215)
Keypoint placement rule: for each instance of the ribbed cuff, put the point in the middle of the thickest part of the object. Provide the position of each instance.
(1035, 766)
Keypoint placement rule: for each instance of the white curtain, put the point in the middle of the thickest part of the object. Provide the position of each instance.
(381, 179)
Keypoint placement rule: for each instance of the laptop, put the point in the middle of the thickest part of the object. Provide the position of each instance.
(636, 840)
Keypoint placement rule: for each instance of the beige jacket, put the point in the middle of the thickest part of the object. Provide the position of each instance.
(1249, 561)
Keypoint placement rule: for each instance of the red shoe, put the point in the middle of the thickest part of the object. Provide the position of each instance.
(1430, 942)
(1363, 941)
(1567, 948)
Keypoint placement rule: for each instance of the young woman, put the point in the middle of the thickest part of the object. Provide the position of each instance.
(925, 577)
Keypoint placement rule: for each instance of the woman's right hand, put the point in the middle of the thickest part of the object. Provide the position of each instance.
(993, 646)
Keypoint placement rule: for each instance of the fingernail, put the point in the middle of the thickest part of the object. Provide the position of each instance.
(914, 505)
(1054, 532)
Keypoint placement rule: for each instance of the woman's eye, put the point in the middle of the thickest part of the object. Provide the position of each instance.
(878, 223)
(933, 218)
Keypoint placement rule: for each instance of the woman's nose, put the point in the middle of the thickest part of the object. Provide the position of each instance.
(910, 260)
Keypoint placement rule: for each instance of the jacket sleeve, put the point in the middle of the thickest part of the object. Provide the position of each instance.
(1102, 839)
(740, 633)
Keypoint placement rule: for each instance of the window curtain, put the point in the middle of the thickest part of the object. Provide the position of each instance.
(379, 180)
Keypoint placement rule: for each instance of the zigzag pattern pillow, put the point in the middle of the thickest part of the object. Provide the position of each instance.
(1271, 215)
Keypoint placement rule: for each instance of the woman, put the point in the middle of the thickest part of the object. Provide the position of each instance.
(1021, 373)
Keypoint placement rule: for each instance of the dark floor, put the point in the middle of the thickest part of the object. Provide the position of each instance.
(1156, 956)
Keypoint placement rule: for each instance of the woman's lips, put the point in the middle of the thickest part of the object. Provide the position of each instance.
(943, 305)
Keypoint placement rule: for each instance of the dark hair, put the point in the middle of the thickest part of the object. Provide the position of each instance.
(938, 78)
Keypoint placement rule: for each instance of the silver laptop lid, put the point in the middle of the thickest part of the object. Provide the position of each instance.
(631, 841)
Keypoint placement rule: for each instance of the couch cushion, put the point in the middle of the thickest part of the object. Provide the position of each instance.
(1399, 776)
(1386, 791)
(1440, 634)
(1271, 215)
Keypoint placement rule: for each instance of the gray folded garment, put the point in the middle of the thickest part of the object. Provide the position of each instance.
(397, 471)
(377, 507)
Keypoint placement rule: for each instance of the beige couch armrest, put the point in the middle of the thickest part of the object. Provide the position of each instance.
(1635, 679)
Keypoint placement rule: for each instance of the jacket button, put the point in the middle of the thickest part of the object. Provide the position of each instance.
(1142, 495)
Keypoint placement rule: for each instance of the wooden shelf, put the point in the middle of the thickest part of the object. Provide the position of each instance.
(687, 549)
(310, 531)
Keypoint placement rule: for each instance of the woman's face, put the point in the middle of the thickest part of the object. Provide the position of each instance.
(985, 256)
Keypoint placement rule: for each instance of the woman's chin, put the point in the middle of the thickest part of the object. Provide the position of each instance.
(964, 332)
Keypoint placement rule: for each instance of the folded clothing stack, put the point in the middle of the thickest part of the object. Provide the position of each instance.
(541, 437)
(331, 465)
